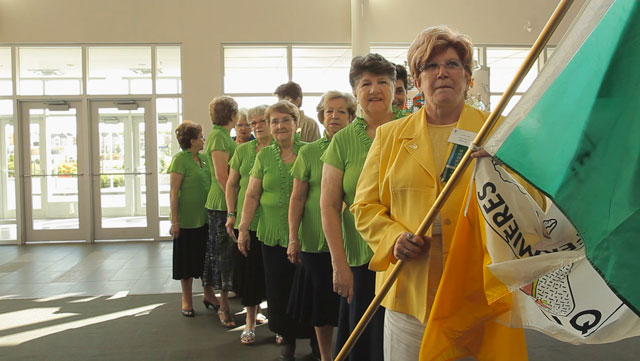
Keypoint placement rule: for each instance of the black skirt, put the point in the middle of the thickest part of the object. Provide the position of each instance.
(248, 273)
(278, 279)
(369, 345)
(188, 252)
(312, 300)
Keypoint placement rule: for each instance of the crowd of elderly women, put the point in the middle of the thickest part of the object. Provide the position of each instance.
(312, 228)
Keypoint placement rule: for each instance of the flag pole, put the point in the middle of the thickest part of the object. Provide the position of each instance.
(546, 33)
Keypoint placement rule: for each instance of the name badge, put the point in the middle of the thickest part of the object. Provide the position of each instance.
(462, 137)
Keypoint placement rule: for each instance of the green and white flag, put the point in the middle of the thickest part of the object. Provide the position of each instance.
(575, 135)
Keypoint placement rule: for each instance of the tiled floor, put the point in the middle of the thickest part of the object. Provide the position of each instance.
(96, 269)
(125, 268)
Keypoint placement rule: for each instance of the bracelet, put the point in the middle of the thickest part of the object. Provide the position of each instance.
(231, 214)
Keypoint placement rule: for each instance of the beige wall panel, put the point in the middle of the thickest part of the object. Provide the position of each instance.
(486, 21)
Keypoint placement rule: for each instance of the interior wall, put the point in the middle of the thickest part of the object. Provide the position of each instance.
(202, 25)
(486, 21)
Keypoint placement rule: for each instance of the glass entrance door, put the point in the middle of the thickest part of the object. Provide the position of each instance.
(55, 172)
(124, 185)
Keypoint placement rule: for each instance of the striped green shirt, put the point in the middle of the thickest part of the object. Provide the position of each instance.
(219, 139)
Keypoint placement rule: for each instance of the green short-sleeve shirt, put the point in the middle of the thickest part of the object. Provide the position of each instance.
(347, 151)
(242, 162)
(193, 190)
(277, 183)
(308, 168)
(219, 139)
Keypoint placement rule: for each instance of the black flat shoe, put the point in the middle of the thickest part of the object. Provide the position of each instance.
(188, 313)
(208, 305)
(287, 352)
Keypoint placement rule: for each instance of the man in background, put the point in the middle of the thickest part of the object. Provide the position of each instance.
(400, 93)
(308, 128)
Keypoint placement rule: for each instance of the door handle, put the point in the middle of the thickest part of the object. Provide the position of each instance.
(125, 173)
(53, 175)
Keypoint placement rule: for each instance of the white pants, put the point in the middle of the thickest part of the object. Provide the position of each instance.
(402, 337)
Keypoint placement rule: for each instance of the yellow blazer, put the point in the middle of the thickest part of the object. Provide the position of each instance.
(396, 189)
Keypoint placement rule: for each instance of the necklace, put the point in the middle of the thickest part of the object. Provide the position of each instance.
(287, 158)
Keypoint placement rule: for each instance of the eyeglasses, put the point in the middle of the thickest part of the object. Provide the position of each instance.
(432, 67)
(254, 123)
(242, 125)
(285, 120)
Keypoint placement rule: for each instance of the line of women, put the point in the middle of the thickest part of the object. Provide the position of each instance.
(317, 223)
(287, 203)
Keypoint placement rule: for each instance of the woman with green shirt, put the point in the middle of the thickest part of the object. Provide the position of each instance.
(248, 271)
(312, 298)
(218, 264)
(189, 184)
(372, 79)
(270, 185)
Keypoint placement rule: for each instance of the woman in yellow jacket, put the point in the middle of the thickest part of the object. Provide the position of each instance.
(401, 179)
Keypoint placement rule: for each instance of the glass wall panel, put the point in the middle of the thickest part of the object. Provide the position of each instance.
(504, 64)
(6, 81)
(494, 99)
(119, 70)
(8, 229)
(321, 68)
(254, 69)
(54, 168)
(122, 167)
(50, 70)
(169, 112)
(248, 102)
(168, 76)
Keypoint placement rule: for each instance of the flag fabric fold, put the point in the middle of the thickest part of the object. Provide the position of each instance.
(575, 137)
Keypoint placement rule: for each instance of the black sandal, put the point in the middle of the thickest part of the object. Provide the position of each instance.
(208, 305)
(188, 313)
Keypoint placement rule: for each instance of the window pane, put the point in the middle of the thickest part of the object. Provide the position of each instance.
(250, 102)
(119, 70)
(494, 99)
(6, 83)
(503, 64)
(254, 69)
(8, 229)
(319, 69)
(50, 71)
(168, 77)
(169, 112)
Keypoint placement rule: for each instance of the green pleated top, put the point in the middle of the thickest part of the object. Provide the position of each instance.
(277, 183)
(308, 168)
(219, 139)
(193, 190)
(347, 151)
(242, 162)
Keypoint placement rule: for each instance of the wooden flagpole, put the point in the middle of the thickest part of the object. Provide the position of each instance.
(546, 33)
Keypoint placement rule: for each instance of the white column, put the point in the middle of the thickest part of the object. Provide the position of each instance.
(360, 25)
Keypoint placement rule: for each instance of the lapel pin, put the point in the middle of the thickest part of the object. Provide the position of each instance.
(413, 146)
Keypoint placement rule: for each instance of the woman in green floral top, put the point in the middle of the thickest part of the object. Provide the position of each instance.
(189, 184)
(372, 78)
(270, 187)
(312, 298)
(218, 264)
(248, 271)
